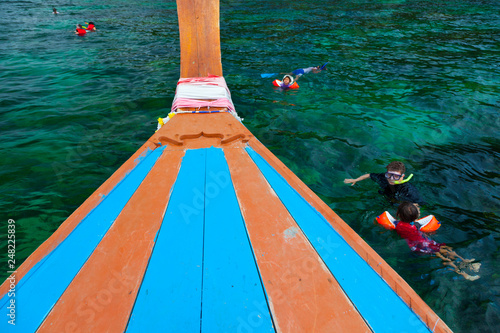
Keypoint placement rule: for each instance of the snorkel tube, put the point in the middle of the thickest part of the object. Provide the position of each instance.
(397, 182)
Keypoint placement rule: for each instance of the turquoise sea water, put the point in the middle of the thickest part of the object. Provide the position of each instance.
(416, 81)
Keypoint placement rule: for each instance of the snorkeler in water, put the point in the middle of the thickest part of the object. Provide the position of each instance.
(54, 11)
(91, 26)
(408, 228)
(393, 183)
(301, 71)
(287, 83)
(80, 31)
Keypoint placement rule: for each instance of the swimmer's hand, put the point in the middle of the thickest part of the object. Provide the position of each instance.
(350, 181)
(354, 181)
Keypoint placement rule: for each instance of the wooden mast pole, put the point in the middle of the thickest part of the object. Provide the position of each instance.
(199, 38)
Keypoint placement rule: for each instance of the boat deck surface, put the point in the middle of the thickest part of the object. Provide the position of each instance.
(208, 231)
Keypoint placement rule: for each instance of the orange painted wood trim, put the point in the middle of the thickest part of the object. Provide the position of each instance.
(74, 219)
(303, 295)
(102, 295)
(398, 284)
(202, 131)
(199, 38)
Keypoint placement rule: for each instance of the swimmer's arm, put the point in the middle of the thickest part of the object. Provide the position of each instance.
(354, 181)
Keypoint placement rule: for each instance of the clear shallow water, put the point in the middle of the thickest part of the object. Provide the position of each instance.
(416, 81)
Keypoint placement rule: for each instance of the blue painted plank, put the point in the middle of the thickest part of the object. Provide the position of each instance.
(379, 305)
(41, 288)
(169, 299)
(233, 296)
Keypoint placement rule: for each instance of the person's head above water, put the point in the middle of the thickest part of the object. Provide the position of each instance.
(91, 23)
(407, 212)
(287, 80)
(395, 171)
(318, 69)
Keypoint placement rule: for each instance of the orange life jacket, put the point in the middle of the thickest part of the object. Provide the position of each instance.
(278, 83)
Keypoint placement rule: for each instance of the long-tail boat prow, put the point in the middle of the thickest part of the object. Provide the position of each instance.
(204, 229)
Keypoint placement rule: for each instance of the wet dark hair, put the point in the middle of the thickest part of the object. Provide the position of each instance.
(91, 23)
(291, 79)
(396, 166)
(407, 212)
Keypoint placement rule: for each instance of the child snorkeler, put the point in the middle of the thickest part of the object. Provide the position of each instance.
(393, 183)
(287, 83)
(408, 229)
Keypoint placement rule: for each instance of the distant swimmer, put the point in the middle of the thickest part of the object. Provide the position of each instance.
(301, 71)
(54, 11)
(91, 26)
(287, 83)
(298, 72)
(80, 31)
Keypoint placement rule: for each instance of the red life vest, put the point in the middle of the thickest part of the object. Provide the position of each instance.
(90, 27)
(416, 239)
(81, 32)
(408, 231)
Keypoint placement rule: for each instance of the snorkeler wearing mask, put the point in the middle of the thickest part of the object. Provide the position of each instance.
(393, 183)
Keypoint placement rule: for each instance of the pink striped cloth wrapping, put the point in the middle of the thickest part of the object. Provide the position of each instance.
(195, 91)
